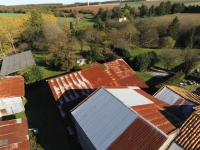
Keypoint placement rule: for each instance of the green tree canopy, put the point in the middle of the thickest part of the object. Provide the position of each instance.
(174, 28)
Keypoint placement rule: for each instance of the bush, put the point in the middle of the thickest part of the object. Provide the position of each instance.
(173, 80)
(144, 61)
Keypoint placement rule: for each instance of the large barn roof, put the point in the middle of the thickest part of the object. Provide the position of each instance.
(12, 86)
(17, 62)
(14, 134)
(78, 85)
(109, 120)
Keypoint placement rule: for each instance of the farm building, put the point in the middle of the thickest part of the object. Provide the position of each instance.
(124, 118)
(189, 133)
(70, 89)
(181, 99)
(11, 95)
(14, 134)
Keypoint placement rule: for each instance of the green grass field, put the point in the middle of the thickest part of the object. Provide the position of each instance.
(12, 15)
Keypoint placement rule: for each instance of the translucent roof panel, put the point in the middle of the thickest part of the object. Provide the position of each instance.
(130, 97)
(17, 62)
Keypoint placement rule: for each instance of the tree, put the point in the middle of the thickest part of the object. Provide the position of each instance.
(161, 9)
(33, 75)
(168, 58)
(143, 10)
(10, 29)
(174, 28)
(152, 11)
(144, 61)
(168, 42)
(93, 55)
(36, 20)
(168, 6)
(190, 41)
(190, 61)
(150, 38)
(99, 24)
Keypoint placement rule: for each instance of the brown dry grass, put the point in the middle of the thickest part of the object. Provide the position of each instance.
(94, 8)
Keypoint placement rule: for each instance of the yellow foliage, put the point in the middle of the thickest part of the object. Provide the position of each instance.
(49, 17)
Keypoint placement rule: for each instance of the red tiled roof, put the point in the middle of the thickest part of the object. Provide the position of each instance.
(139, 135)
(159, 113)
(189, 136)
(16, 133)
(12, 86)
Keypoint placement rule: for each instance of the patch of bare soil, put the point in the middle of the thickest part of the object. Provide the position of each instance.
(93, 7)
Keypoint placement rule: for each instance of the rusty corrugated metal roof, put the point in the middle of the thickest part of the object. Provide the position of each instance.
(70, 89)
(12, 86)
(15, 132)
(81, 83)
(159, 113)
(139, 135)
(189, 136)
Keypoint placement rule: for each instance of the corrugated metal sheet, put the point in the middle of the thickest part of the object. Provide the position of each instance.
(139, 136)
(129, 97)
(16, 132)
(103, 118)
(171, 97)
(189, 137)
(107, 122)
(82, 83)
(175, 146)
(12, 105)
(12, 86)
(160, 113)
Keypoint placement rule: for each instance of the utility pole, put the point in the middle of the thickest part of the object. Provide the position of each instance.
(88, 3)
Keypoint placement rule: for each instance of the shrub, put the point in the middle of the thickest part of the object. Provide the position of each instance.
(173, 80)
(144, 61)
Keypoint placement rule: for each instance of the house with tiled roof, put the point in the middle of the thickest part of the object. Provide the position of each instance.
(14, 135)
(70, 89)
(179, 98)
(11, 95)
(188, 137)
(124, 118)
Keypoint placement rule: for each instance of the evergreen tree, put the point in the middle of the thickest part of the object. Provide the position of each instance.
(168, 6)
(161, 9)
(143, 10)
(152, 11)
(173, 28)
(190, 41)
(36, 20)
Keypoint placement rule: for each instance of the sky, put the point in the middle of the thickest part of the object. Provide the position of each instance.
(20, 2)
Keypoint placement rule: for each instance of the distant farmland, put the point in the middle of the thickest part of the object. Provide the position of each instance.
(132, 4)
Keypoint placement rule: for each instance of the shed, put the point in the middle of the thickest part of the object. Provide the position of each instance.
(11, 95)
(179, 98)
(14, 135)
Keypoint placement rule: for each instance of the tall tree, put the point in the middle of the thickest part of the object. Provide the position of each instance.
(161, 9)
(174, 28)
(143, 10)
(36, 20)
